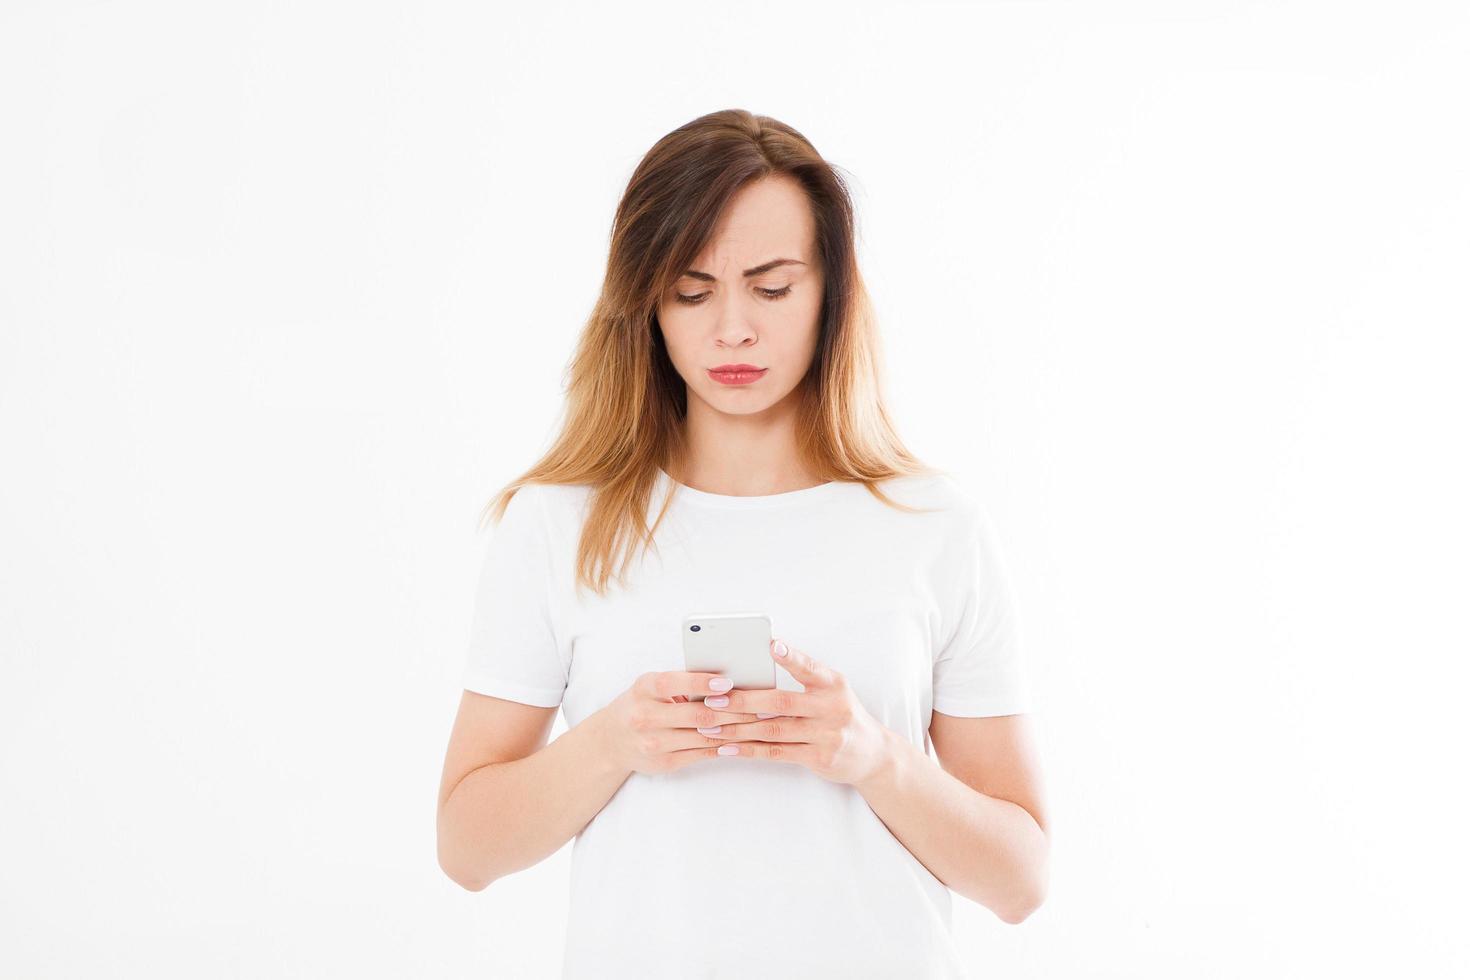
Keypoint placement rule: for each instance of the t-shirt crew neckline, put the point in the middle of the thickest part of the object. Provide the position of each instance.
(821, 491)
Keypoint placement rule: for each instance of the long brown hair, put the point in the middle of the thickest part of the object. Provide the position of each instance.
(625, 402)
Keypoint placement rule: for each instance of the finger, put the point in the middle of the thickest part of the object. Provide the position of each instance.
(781, 730)
(686, 757)
(695, 714)
(798, 753)
(670, 685)
(676, 754)
(768, 702)
(674, 741)
(807, 670)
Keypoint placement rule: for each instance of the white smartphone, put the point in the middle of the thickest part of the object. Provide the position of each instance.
(736, 645)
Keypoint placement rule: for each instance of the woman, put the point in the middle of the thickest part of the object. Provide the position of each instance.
(725, 427)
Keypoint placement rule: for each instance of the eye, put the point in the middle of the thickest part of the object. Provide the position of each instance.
(695, 300)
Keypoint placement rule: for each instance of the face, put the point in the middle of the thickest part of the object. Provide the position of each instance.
(740, 303)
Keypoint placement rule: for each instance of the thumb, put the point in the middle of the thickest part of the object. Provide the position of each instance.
(807, 671)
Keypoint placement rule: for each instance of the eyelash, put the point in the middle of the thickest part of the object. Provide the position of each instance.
(771, 294)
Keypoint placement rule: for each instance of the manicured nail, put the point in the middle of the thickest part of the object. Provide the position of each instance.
(718, 702)
(721, 684)
(708, 731)
(781, 649)
(728, 750)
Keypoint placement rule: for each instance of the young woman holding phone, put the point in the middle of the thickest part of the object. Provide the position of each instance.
(726, 439)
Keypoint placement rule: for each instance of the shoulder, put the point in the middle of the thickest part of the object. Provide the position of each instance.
(939, 493)
(557, 504)
(958, 520)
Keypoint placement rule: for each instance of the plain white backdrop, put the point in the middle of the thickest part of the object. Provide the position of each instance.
(288, 290)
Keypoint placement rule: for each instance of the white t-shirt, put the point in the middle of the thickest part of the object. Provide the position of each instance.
(735, 866)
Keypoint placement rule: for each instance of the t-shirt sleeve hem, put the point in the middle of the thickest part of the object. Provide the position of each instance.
(499, 687)
(981, 707)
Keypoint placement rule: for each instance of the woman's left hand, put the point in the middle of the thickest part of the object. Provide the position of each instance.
(823, 727)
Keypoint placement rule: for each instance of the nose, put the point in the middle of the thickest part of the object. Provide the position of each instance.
(732, 327)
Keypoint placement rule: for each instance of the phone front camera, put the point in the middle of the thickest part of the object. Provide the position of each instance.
(694, 629)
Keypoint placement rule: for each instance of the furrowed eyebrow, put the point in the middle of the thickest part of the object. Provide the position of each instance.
(763, 267)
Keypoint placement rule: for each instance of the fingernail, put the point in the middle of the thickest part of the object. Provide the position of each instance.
(718, 702)
(708, 731)
(728, 750)
(720, 684)
(781, 650)
(762, 714)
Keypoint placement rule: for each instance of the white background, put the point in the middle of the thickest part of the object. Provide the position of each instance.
(287, 293)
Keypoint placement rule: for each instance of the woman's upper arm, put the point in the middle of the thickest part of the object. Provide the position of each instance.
(488, 730)
(995, 755)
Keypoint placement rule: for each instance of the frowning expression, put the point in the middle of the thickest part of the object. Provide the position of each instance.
(751, 299)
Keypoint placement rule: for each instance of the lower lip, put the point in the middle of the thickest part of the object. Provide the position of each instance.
(736, 377)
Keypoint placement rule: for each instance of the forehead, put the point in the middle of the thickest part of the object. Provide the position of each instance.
(769, 218)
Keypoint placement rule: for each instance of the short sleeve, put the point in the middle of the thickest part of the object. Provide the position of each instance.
(512, 651)
(980, 670)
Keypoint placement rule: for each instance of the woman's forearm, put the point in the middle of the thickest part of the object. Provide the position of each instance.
(507, 816)
(987, 849)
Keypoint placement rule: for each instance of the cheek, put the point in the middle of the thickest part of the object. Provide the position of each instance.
(670, 327)
(810, 307)
(680, 340)
(810, 324)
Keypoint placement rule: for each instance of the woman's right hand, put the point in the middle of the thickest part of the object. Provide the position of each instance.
(651, 732)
